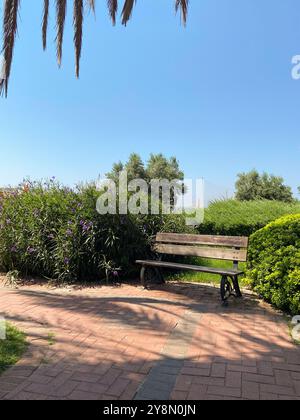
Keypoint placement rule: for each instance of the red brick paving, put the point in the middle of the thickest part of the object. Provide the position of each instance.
(105, 343)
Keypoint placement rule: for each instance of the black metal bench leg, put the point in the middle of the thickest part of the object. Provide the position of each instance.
(161, 276)
(235, 281)
(143, 269)
(225, 289)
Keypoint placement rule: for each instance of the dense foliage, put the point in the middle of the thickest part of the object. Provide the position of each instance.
(236, 218)
(274, 263)
(52, 231)
(253, 186)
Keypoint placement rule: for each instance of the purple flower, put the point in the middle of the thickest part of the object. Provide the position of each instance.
(8, 221)
(66, 261)
(115, 274)
(30, 250)
(69, 232)
(86, 226)
(13, 248)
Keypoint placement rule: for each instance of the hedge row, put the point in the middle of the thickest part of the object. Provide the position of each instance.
(236, 218)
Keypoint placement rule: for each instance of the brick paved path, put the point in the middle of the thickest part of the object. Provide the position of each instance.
(127, 343)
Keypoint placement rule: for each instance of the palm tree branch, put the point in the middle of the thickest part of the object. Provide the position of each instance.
(78, 21)
(45, 23)
(61, 9)
(10, 28)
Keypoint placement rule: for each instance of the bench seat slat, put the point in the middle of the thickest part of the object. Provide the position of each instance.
(179, 238)
(211, 270)
(205, 252)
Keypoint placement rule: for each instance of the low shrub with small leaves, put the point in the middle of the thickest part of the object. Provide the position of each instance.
(274, 263)
(55, 232)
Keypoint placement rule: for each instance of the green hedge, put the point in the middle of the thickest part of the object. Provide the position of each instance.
(56, 232)
(274, 263)
(236, 218)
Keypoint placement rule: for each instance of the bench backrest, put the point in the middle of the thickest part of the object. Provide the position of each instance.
(231, 248)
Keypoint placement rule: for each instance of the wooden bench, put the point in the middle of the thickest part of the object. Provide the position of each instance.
(227, 248)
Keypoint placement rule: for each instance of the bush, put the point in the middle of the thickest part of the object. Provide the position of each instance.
(55, 232)
(235, 218)
(274, 263)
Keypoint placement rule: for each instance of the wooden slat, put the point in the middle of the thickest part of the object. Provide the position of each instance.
(205, 252)
(175, 238)
(211, 270)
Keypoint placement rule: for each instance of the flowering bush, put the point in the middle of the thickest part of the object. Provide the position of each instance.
(52, 231)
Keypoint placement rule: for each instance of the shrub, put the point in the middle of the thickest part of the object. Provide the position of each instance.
(274, 263)
(55, 232)
(232, 217)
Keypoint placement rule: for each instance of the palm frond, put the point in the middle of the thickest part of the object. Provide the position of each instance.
(10, 27)
(183, 5)
(45, 23)
(61, 9)
(92, 4)
(113, 9)
(78, 21)
(127, 11)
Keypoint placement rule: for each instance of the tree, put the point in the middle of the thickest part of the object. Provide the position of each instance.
(135, 168)
(253, 186)
(158, 167)
(10, 26)
(161, 168)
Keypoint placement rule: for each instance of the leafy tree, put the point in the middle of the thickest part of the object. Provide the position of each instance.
(10, 26)
(135, 168)
(158, 167)
(253, 186)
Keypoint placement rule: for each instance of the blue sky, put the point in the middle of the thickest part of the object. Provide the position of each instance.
(218, 95)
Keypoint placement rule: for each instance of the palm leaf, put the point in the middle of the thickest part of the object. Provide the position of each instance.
(183, 6)
(10, 27)
(45, 23)
(113, 8)
(61, 9)
(78, 21)
(92, 4)
(127, 11)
